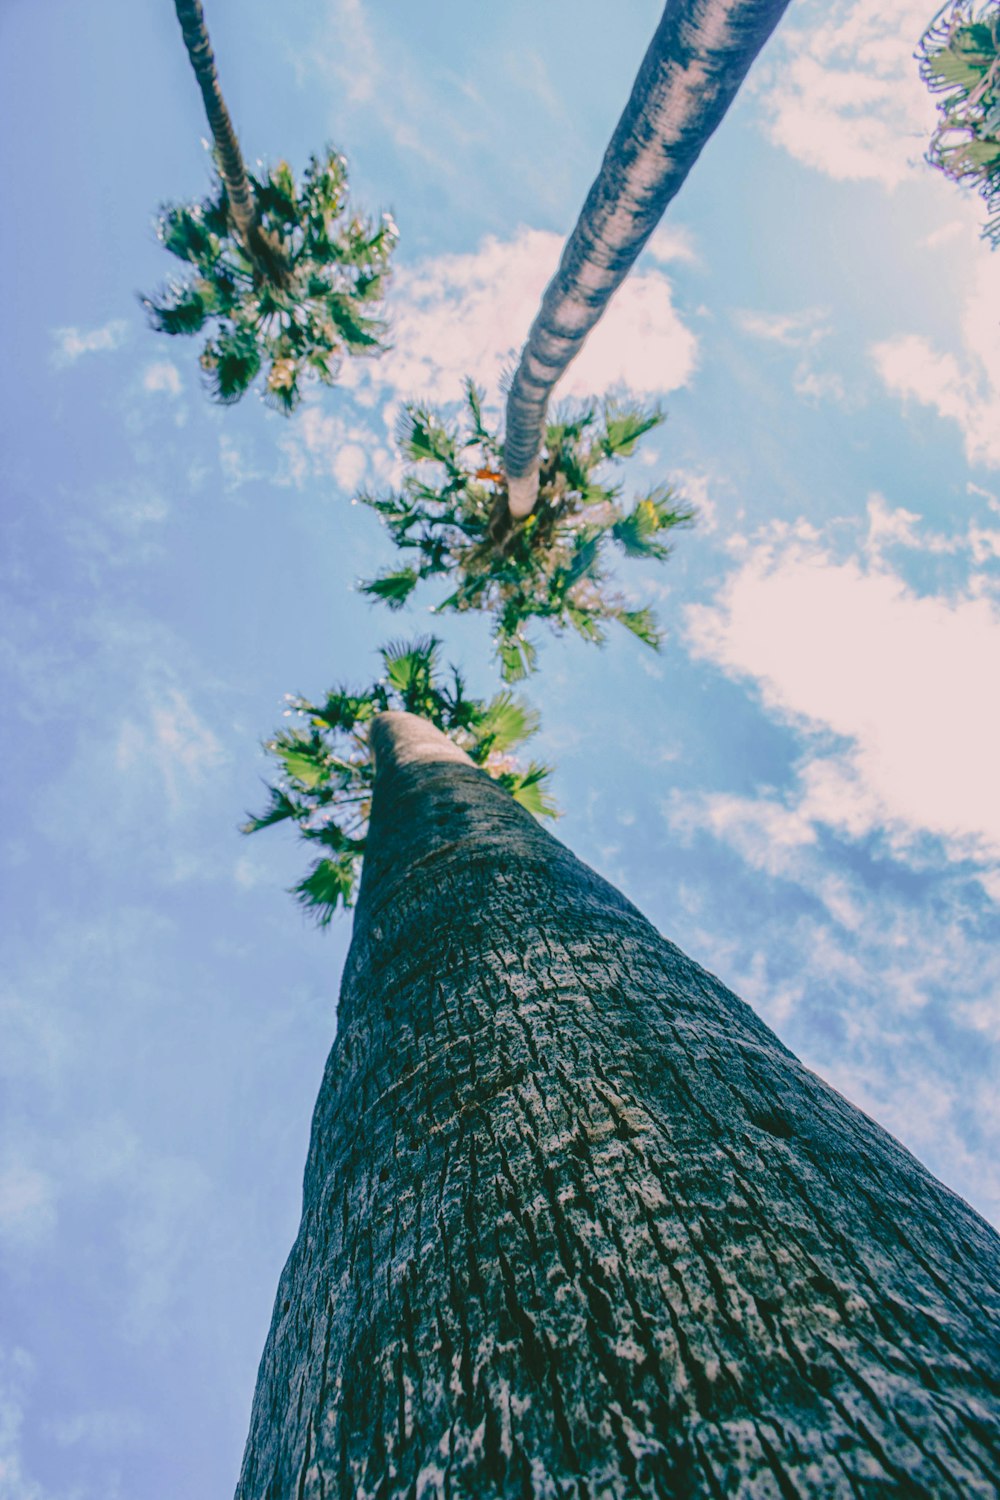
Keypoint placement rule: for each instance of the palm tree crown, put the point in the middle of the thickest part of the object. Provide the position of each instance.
(323, 306)
(960, 60)
(327, 772)
(452, 512)
(285, 275)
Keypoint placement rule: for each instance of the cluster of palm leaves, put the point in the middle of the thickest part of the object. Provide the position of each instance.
(326, 779)
(553, 565)
(960, 60)
(293, 313)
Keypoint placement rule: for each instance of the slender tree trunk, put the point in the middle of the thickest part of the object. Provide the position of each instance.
(700, 54)
(239, 191)
(577, 1224)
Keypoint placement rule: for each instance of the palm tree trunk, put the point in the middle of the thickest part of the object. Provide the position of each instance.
(576, 1223)
(699, 56)
(239, 192)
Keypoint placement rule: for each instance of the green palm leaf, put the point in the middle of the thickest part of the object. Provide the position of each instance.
(553, 565)
(960, 60)
(393, 588)
(326, 773)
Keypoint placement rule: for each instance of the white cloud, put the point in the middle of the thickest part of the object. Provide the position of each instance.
(672, 242)
(469, 314)
(163, 376)
(800, 330)
(71, 343)
(962, 385)
(322, 442)
(813, 385)
(843, 94)
(906, 682)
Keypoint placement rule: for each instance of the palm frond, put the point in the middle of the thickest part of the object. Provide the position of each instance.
(624, 426)
(409, 663)
(330, 883)
(553, 565)
(230, 364)
(392, 588)
(529, 788)
(638, 533)
(643, 624)
(303, 290)
(180, 309)
(326, 771)
(507, 721)
(959, 58)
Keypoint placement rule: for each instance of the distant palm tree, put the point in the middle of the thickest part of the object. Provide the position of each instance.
(959, 58)
(327, 771)
(699, 56)
(285, 273)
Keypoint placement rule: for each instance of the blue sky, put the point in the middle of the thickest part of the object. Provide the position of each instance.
(800, 789)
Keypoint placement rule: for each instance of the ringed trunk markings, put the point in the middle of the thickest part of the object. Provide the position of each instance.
(699, 55)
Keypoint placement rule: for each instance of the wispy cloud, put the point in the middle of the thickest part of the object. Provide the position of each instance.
(803, 331)
(797, 330)
(72, 343)
(325, 443)
(174, 740)
(163, 377)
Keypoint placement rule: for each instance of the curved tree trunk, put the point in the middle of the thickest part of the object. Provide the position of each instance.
(232, 169)
(577, 1224)
(700, 54)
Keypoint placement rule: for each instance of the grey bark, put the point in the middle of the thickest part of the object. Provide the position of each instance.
(232, 169)
(576, 1223)
(700, 54)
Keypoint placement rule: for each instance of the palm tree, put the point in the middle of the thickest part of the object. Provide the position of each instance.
(960, 59)
(700, 54)
(576, 1223)
(286, 274)
(553, 565)
(326, 775)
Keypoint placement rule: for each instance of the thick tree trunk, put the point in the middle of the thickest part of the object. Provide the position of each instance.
(577, 1224)
(700, 54)
(239, 191)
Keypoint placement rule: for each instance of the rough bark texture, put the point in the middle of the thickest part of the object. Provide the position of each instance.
(577, 1224)
(700, 54)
